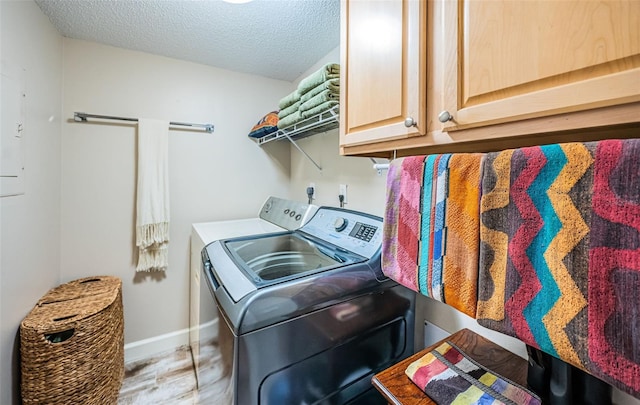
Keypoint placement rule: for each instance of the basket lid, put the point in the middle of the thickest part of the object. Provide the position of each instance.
(83, 287)
(59, 315)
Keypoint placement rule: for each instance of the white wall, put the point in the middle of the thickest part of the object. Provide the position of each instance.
(215, 176)
(30, 223)
(365, 188)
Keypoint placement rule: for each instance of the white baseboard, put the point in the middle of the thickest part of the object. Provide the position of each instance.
(155, 345)
(209, 330)
(169, 341)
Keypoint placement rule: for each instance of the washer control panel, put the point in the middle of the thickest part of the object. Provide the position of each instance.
(363, 232)
(287, 214)
(350, 230)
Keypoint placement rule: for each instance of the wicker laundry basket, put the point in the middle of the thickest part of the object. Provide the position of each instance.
(72, 344)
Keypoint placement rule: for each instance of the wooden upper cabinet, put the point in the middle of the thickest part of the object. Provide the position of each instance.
(511, 60)
(383, 70)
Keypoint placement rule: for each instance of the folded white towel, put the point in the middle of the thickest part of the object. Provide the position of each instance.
(152, 205)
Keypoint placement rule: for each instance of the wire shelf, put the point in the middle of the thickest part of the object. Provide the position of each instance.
(322, 122)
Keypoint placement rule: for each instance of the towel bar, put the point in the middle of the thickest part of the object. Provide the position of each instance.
(82, 117)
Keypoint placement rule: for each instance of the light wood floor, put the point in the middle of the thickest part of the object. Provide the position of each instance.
(170, 378)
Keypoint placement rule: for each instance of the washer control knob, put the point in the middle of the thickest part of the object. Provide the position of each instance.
(340, 224)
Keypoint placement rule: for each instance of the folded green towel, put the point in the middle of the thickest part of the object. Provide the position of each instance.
(289, 120)
(327, 72)
(323, 96)
(327, 105)
(289, 110)
(289, 99)
(332, 85)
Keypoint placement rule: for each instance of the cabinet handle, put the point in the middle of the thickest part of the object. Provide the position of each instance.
(445, 116)
(409, 122)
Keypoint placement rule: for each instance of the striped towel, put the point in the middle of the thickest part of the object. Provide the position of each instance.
(431, 230)
(560, 253)
(448, 376)
(402, 220)
(462, 218)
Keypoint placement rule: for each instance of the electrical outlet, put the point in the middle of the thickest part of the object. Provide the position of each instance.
(313, 186)
(343, 192)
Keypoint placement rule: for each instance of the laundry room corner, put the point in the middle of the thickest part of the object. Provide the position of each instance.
(212, 176)
(366, 187)
(29, 246)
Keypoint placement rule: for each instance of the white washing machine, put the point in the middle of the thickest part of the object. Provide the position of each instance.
(276, 215)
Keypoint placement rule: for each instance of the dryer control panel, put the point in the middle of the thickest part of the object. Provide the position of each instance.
(356, 232)
(287, 214)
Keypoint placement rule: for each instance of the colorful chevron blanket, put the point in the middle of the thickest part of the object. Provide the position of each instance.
(448, 376)
(431, 227)
(560, 253)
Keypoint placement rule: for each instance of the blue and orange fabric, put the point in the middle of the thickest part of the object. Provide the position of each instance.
(267, 125)
(449, 377)
(559, 263)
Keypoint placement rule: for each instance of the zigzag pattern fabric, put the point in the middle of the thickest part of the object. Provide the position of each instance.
(560, 253)
(431, 227)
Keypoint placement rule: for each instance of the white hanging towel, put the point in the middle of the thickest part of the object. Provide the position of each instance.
(152, 205)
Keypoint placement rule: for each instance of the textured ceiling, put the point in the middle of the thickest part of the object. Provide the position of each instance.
(279, 39)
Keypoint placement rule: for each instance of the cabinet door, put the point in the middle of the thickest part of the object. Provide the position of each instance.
(383, 70)
(511, 60)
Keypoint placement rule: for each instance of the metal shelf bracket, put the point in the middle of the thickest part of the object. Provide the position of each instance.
(322, 122)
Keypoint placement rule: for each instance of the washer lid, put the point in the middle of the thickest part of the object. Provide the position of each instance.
(275, 258)
(225, 271)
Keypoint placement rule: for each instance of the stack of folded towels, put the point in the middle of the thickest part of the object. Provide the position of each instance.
(315, 94)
